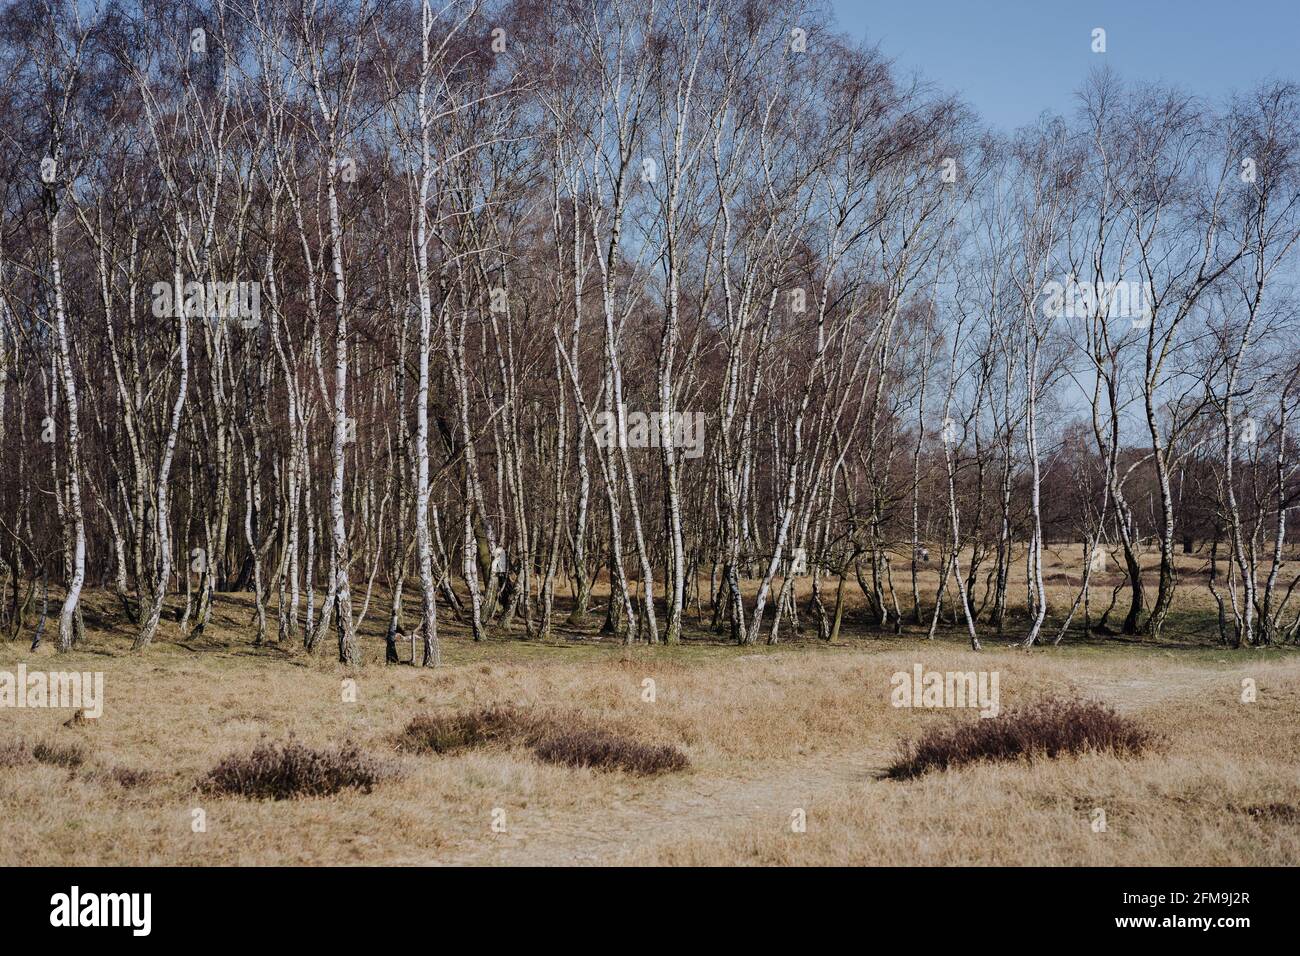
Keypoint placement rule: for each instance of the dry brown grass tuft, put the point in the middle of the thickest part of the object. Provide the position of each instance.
(448, 733)
(14, 753)
(1050, 727)
(132, 778)
(284, 772)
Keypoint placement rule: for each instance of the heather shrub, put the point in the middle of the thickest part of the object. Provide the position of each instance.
(606, 751)
(1051, 727)
(551, 738)
(283, 772)
(70, 756)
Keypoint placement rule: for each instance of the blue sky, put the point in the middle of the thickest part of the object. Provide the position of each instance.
(1012, 59)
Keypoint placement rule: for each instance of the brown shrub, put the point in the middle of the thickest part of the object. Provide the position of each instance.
(275, 772)
(1051, 727)
(602, 750)
(70, 756)
(551, 738)
(446, 733)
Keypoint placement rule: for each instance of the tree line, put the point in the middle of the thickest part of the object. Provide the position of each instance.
(414, 309)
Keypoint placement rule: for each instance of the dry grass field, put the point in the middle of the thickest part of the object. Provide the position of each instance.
(769, 731)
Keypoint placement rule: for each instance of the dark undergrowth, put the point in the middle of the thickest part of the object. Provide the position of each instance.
(1049, 728)
(73, 757)
(18, 752)
(588, 747)
(292, 770)
(550, 738)
(69, 756)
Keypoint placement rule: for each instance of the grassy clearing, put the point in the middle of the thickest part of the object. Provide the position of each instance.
(767, 731)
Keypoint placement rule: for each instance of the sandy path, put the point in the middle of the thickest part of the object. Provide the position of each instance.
(600, 836)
